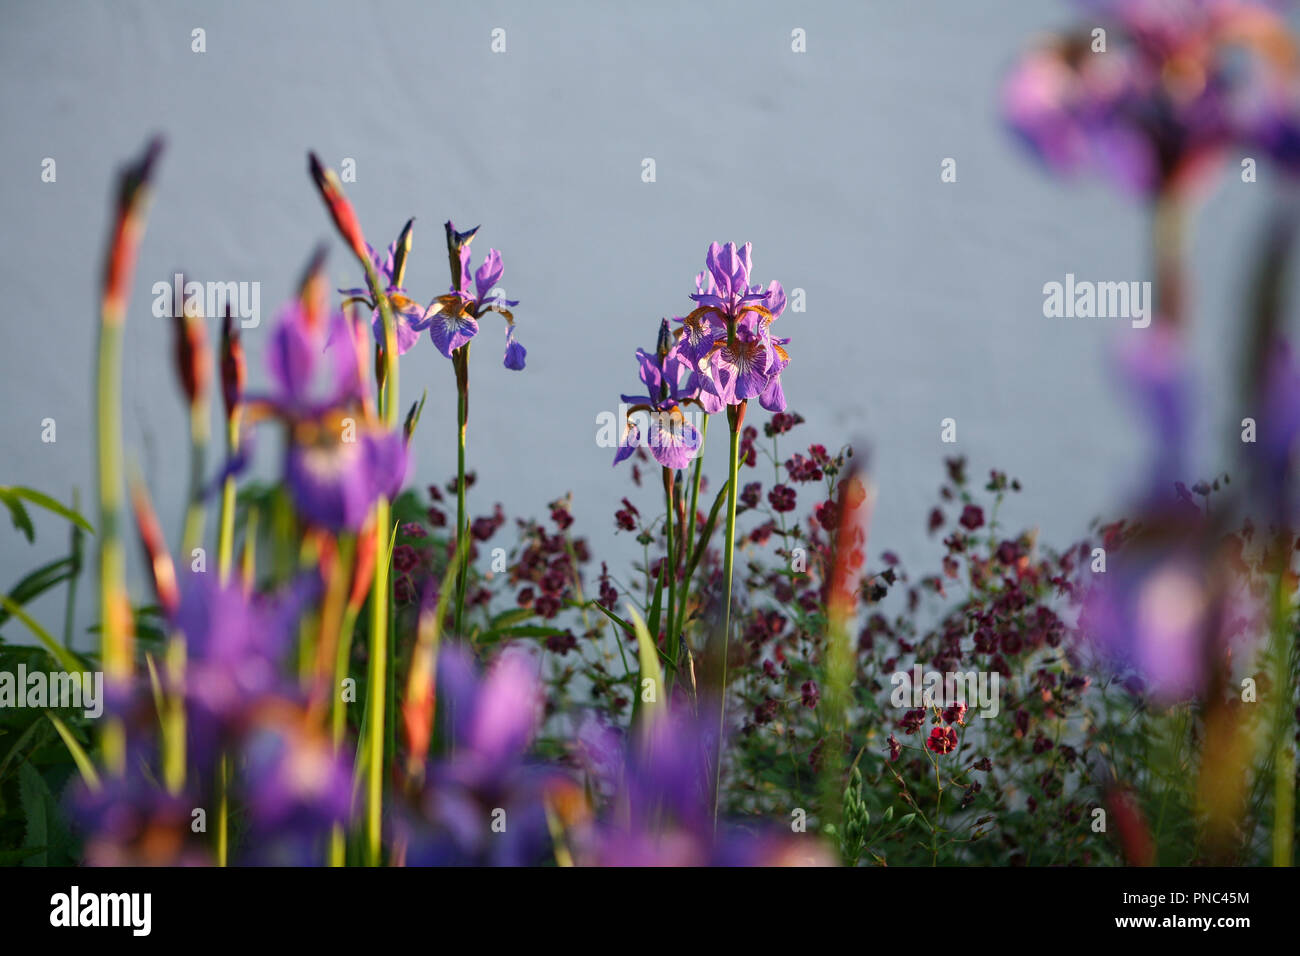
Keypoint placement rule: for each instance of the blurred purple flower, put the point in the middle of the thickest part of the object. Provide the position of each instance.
(1177, 83)
(655, 787)
(483, 802)
(296, 788)
(339, 459)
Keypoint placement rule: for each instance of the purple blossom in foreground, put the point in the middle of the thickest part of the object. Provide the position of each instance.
(296, 787)
(1178, 82)
(727, 337)
(131, 821)
(483, 802)
(236, 644)
(452, 319)
(656, 785)
(670, 383)
(339, 460)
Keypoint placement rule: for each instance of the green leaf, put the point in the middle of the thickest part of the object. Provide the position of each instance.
(652, 625)
(79, 756)
(18, 514)
(38, 808)
(65, 657)
(648, 653)
(39, 581)
(613, 617)
(42, 500)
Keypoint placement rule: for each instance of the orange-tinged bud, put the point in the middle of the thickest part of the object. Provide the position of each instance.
(234, 367)
(161, 568)
(341, 211)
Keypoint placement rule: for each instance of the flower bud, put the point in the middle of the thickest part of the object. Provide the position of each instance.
(234, 369)
(341, 211)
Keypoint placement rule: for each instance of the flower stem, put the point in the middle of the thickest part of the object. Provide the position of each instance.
(339, 718)
(462, 520)
(735, 416)
(226, 530)
(116, 646)
(379, 593)
(688, 544)
(670, 566)
(223, 810)
(378, 689)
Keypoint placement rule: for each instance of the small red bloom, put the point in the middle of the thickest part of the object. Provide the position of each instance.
(942, 740)
(972, 517)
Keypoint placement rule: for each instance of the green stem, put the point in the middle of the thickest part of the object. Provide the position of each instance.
(115, 646)
(226, 530)
(223, 810)
(462, 519)
(670, 564)
(339, 719)
(379, 594)
(192, 537)
(688, 543)
(377, 689)
(734, 418)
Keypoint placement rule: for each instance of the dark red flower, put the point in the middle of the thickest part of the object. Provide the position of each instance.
(782, 498)
(972, 517)
(942, 740)
(810, 694)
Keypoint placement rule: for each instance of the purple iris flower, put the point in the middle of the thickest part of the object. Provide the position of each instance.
(483, 801)
(339, 460)
(1173, 606)
(408, 315)
(670, 383)
(131, 821)
(727, 337)
(236, 647)
(452, 319)
(654, 785)
(1179, 82)
(295, 786)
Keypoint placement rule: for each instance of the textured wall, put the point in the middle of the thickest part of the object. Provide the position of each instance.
(924, 299)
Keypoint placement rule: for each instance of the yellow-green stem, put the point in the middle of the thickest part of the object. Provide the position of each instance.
(728, 566)
(115, 641)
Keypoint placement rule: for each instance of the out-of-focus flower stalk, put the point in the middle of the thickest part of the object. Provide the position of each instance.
(233, 373)
(115, 608)
(194, 369)
(854, 512)
(346, 221)
(1168, 241)
(171, 698)
(421, 685)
